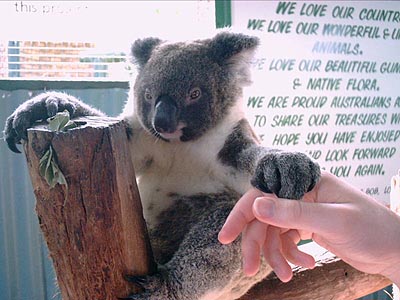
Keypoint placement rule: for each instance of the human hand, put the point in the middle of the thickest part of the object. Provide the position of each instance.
(334, 214)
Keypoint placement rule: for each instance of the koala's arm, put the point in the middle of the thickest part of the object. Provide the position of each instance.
(39, 108)
(287, 174)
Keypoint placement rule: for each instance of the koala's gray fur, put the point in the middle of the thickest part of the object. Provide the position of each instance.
(194, 154)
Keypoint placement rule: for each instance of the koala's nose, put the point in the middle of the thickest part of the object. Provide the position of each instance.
(165, 117)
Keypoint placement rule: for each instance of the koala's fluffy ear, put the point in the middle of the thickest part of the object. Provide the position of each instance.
(234, 51)
(226, 45)
(141, 50)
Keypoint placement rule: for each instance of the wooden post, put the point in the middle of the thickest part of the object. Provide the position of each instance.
(94, 227)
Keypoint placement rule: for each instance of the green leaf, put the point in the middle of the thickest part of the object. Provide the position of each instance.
(44, 162)
(69, 125)
(61, 122)
(49, 169)
(55, 175)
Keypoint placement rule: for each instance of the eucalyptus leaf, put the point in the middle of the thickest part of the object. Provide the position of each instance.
(49, 176)
(61, 122)
(69, 125)
(44, 162)
(49, 169)
(56, 175)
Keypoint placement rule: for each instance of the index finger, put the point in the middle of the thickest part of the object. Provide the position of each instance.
(239, 217)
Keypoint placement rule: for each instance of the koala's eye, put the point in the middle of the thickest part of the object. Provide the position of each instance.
(147, 95)
(195, 94)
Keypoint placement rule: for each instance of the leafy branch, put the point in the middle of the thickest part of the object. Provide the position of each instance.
(48, 167)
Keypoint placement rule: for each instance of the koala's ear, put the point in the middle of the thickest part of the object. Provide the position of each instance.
(141, 50)
(226, 45)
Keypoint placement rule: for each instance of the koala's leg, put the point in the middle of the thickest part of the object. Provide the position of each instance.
(202, 268)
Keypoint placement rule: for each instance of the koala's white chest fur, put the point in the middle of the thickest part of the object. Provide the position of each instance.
(167, 169)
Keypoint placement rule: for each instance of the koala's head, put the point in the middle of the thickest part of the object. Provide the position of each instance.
(184, 89)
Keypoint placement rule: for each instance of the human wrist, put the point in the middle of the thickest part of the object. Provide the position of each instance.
(393, 272)
(396, 278)
(393, 275)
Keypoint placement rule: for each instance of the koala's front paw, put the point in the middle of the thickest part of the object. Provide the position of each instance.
(155, 287)
(38, 108)
(286, 174)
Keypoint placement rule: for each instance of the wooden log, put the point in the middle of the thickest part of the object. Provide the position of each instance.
(330, 279)
(94, 226)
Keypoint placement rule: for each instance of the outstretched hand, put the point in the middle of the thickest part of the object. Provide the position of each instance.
(277, 244)
(334, 214)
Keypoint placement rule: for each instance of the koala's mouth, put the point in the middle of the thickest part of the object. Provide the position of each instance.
(172, 136)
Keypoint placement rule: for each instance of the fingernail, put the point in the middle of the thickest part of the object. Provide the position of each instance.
(221, 237)
(264, 207)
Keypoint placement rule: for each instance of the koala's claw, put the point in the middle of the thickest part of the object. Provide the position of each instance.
(141, 296)
(130, 297)
(156, 286)
(147, 282)
(12, 144)
(11, 136)
(40, 108)
(139, 280)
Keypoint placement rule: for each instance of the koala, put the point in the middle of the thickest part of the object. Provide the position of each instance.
(194, 154)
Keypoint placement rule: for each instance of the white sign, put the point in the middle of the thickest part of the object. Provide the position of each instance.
(327, 81)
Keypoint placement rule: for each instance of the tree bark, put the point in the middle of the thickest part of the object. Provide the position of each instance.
(94, 226)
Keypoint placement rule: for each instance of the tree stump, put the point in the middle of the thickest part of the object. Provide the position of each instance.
(94, 227)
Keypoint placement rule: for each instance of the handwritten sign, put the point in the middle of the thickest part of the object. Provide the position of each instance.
(327, 82)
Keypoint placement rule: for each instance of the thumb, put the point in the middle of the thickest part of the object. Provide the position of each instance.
(312, 217)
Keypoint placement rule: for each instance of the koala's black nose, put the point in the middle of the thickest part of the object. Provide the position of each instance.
(165, 117)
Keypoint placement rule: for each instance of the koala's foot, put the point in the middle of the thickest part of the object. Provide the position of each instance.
(286, 174)
(40, 108)
(157, 286)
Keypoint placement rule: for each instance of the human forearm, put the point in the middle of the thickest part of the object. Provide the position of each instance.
(395, 278)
